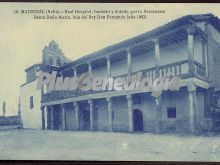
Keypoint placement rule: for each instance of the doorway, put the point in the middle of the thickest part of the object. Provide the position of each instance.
(138, 120)
(57, 118)
(85, 120)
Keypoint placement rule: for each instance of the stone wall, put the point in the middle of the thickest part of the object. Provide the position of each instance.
(214, 56)
(9, 120)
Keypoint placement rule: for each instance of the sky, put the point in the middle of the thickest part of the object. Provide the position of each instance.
(22, 38)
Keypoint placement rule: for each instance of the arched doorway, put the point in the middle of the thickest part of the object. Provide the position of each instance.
(138, 120)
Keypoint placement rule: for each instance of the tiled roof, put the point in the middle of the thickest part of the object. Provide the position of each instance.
(210, 18)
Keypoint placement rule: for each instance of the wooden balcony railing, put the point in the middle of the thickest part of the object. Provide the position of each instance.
(180, 68)
(173, 69)
(200, 69)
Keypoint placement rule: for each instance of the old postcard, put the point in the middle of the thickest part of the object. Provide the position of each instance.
(110, 81)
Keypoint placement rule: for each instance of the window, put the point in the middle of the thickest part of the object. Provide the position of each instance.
(171, 112)
(31, 102)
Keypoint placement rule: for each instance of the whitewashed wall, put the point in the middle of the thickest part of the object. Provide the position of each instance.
(31, 117)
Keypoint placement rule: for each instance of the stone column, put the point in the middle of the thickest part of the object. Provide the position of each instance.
(130, 113)
(158, 115)
(129, 63)
(91, 110)
(157, 74)
(108, 66)
(204, 55)
(76, 105)
(46, 116)
(206, 50)
(51, 117)
(157, 57)
(43, 117)
(110, 117)
(192, 108)
(191, 32)
(63, 114)
(75, 72)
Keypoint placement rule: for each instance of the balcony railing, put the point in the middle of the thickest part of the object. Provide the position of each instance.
(200, 69)
(173, 69)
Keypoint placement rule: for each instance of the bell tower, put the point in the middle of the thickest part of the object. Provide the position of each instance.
(52, 55)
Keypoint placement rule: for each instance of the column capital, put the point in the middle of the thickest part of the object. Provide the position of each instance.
(75, 103)
(62, 105)
(90, 101)
(128, 50)
(191, 29)
(156, 41)
(205, 40)
(158, 100)
(108, 99)
(191, 87)
(89, 62)
(107, 57)
(128, 97)
(74, 68)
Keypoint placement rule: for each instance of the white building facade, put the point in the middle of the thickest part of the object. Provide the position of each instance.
(30, 99)
(187, 47)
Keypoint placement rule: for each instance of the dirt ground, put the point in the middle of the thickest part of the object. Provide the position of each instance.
(69, 145)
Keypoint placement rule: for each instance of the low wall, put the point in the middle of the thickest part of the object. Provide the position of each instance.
(9, 120)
